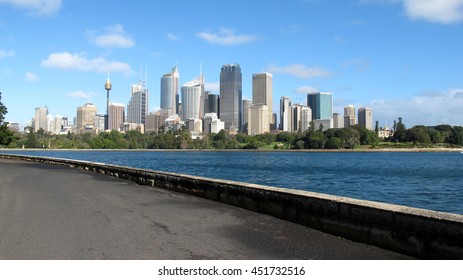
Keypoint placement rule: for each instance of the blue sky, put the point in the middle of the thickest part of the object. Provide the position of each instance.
(402, 58)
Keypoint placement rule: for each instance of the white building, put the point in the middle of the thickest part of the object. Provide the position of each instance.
(258, 122)
(191, 99)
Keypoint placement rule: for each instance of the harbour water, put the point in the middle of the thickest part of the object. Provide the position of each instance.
(431, 181)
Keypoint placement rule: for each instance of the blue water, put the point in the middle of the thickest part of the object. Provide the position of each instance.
(425, 180)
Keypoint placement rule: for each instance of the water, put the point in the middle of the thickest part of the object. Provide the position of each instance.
(425, 180)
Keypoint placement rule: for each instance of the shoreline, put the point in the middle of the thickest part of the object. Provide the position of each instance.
(360, 150)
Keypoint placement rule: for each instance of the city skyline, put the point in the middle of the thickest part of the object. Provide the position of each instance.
(400, 58)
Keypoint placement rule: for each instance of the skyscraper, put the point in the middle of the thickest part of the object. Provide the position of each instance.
(41, 119)
(258, 119)
(116, 116)
(349, 115)
(365, 118)
(137, 109)
(262, 92)
(285, 113)
(231, 96)
(246, 104)
(169, 93)
(86, 116)
(321, 104)
(191, 99)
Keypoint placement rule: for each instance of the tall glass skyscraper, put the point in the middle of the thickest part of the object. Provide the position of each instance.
(169, 93)
(231, 96)
(321, 104)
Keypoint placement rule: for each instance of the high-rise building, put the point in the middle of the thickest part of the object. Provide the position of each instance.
(58, 124)
(262, 92)
(191, 99)
(306, 118)
(349, 115)
(365, 118)
(41, 119)
(300, 118)
(86, 116)
(246, 104)
(154, 122)
(116, 116)
(213, 104)
(338, 120)
(258, 122)
(137, 109)
(169, 93)
(321, 104)
(285, 113)
(231, 96)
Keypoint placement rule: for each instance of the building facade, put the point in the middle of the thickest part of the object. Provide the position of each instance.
(137, 109)
(246, 104)
(86, 117)
(349, 115)
(321, 104)
(285, 113)
(365, 118)
(116, 116)
(191, 99)
(262, 92)
(170, 93)
(231, 96)
(258, 122)
(41, 119)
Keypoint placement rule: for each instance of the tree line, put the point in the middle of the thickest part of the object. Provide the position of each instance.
(344, 138)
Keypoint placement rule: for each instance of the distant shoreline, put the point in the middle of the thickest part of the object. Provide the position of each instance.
(361, 150)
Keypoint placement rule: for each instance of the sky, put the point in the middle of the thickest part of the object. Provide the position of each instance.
(401, 58)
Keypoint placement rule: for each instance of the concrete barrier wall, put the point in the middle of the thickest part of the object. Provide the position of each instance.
(416, 232)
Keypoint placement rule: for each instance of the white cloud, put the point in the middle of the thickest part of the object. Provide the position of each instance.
(36, 7)
(31, 77)
(4, 53)
(429, 108)
(113, 36)
(306, 90)
(227, 37)
(87, 96)
(172, 37)
(300, 71)
(439, 11)
(68, 61)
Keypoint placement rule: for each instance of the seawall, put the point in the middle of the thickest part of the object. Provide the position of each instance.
(416, 232)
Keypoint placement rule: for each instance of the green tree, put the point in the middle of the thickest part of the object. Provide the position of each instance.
(400, 134)
(350, 137)
(6, 136)
(418, 135)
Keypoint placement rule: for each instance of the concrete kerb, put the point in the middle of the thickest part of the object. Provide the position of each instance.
(416, 232)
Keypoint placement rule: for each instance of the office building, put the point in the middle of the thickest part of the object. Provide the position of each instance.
(169, 93)
(365, 118)
(349, 115)
(191, 99)
(285, 113)
(246, 104)
(258, 122)
(154, 122)
(231, 107)
(338, 120)
(321, 104)
(86, 117)
(211, 103)
(306, 118)
(262, 92)
(116, 116)
(137, 109)
(41, 119)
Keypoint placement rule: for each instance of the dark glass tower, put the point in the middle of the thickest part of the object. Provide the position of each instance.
(231, 96)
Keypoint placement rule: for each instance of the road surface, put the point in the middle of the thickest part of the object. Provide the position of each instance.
(55, 212)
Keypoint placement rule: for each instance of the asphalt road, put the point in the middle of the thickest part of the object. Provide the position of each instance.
(53, 212)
